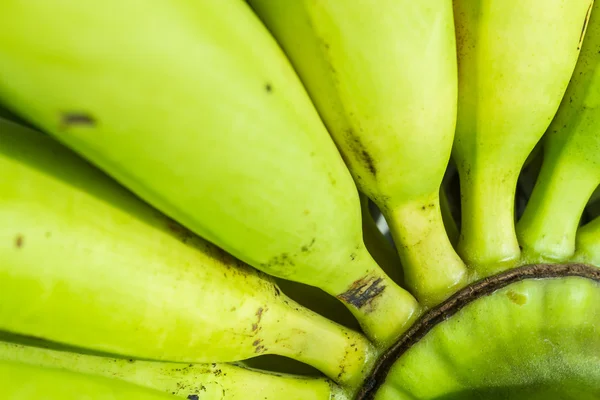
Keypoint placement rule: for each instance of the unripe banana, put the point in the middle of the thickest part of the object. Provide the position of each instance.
(515, 59)
(22, 381)
(384, 80)
(86, 263)
(192, 105)
(190, 381)
(571, 168)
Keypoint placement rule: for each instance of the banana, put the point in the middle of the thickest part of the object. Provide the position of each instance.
(218, 134)
(190, 381)
(22, 381)
(384, 81)
(515, 59)
(587, 243)
(571, 168)
(86, 263)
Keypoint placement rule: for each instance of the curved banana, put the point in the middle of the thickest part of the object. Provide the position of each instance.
(384, 80)
(587, 243)
(515, 59)
(199, 381)
(216, 133)
(571, 168)
(22, 381)
(86, 263)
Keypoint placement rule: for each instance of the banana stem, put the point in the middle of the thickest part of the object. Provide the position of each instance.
(432, 269)
(588, 243)
(383, 309)
(549, 224)
(342, 354)
(488, 242)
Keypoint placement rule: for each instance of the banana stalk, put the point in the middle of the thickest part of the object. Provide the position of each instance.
(587, 243)
(571, 168)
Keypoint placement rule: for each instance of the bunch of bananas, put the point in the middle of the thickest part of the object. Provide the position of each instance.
(185, 192)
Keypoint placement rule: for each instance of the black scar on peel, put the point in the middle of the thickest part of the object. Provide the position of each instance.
(457, 302)
(361, 152)
(193, 397)
(73, 118)
(363, 291)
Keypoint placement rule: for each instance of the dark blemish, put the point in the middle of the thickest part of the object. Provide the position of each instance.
(268, 88)
(277, 291)
(77, 118)
(259, 313)
(203, 388)
(369, 162)
(363, 291)
(130, 360)
(19, 241)
(306, 248)
(256, 342)
(585, 24)
(516, 298)
(217, 372)
(193, 397)
(422, 207)
(353, 256)
(282, 260)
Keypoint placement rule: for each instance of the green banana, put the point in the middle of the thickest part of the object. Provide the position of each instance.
(515, 59)
(217, 134)
(571, 168)
(204, 381)
(378, 245)
(86, 263)
(384, 81)
(22, 381)
(587, 243)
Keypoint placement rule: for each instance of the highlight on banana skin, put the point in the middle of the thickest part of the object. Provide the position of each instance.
(300, 200)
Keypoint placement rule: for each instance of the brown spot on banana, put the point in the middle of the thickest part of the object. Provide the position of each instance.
(363, 291)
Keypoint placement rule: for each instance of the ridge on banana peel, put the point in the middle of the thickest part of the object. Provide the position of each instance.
(390, 107)
(217, 134)
(86, 263)
(21, 381)
(204, 381)
(510, 87)
(570, 170)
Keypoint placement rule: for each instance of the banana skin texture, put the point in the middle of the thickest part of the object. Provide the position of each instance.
(86, 263)
(515, 59)
(189, 381)
(384, 81)
(192, 105)
(571, 168)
